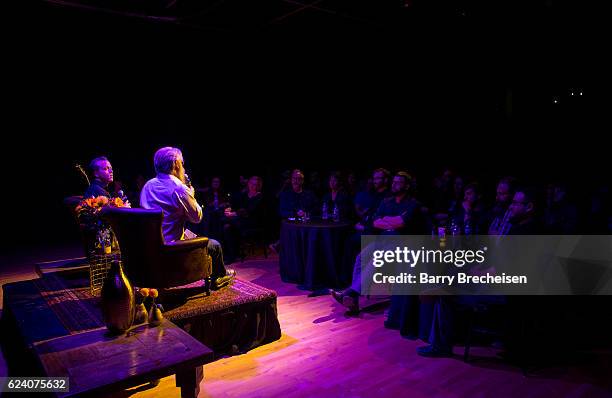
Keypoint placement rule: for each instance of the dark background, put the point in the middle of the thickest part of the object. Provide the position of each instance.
(473, 94)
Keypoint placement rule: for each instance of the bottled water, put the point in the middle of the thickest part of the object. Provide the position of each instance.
(336, 213)
(454, 229)
(324, 214)
(467, 229)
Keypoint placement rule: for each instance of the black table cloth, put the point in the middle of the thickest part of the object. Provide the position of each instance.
(312, 254)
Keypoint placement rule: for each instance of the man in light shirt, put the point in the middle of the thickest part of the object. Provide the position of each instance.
(170, 193)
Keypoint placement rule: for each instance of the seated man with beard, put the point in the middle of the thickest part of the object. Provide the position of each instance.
(397, 214)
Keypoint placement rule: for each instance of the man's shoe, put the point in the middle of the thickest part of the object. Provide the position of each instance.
(226, 280)
(337, 295)
(348, 298)
(352, 303)
(431, 351)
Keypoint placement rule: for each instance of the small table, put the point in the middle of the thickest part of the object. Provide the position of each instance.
(96, 363)
(66, 337)
(313, 253)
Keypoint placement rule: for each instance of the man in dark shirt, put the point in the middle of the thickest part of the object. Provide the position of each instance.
(499, 214)
(398, 214)
(102, 172)
(297, 201)
(367, 202)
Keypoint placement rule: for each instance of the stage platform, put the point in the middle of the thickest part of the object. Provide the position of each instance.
(232, 320)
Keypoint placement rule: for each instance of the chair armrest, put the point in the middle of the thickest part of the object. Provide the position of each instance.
(186, 245)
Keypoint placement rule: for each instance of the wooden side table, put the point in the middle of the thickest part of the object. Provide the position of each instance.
(97, 363)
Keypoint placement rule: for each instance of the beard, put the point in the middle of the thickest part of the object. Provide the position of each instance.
(180, 174)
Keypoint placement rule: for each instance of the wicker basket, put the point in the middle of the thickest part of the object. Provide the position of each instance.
(99, 264)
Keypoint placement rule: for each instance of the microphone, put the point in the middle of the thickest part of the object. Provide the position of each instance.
(187, 180)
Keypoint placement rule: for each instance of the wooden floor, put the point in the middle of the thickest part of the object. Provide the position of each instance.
(324, 353)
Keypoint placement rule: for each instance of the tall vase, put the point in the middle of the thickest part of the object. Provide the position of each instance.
(117, 300)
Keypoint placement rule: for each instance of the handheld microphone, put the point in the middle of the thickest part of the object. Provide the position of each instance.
(121, 195)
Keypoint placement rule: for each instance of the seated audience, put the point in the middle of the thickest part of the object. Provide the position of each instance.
(522, 215)
(214, 196)
(246, 215)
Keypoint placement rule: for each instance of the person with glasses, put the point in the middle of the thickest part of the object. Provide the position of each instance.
(297, 201)
(170, 192)
(522, 212)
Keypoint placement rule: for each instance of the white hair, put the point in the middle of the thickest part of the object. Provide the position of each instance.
(164, 159)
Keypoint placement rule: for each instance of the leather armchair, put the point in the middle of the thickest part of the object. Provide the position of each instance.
(148, 261)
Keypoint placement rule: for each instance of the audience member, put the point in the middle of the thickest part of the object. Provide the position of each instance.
(246, 215)
(297, 201)
(398, 214)
(337, 197)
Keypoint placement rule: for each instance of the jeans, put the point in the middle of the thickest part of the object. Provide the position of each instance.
(216, 253)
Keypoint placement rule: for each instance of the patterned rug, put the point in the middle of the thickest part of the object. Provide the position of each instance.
(238, 293)
(75, 307)
(71, 301)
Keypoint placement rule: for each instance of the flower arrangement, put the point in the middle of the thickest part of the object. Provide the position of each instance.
(147, 299)
(99, 234)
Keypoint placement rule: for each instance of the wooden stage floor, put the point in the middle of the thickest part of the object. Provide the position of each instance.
(324, 353)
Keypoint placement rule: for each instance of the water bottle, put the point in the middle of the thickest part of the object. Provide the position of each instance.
(324, 215)
(467, 228)
(336, 213)
(454, 228)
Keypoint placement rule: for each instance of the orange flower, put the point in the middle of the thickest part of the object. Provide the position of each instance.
(90, 202)
(144, 292)
(117, 202)
(102, 201)
(153, 293)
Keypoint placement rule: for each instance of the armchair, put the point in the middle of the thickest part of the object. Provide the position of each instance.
(151, 262)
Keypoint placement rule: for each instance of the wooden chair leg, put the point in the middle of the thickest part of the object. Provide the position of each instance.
(207, 285)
